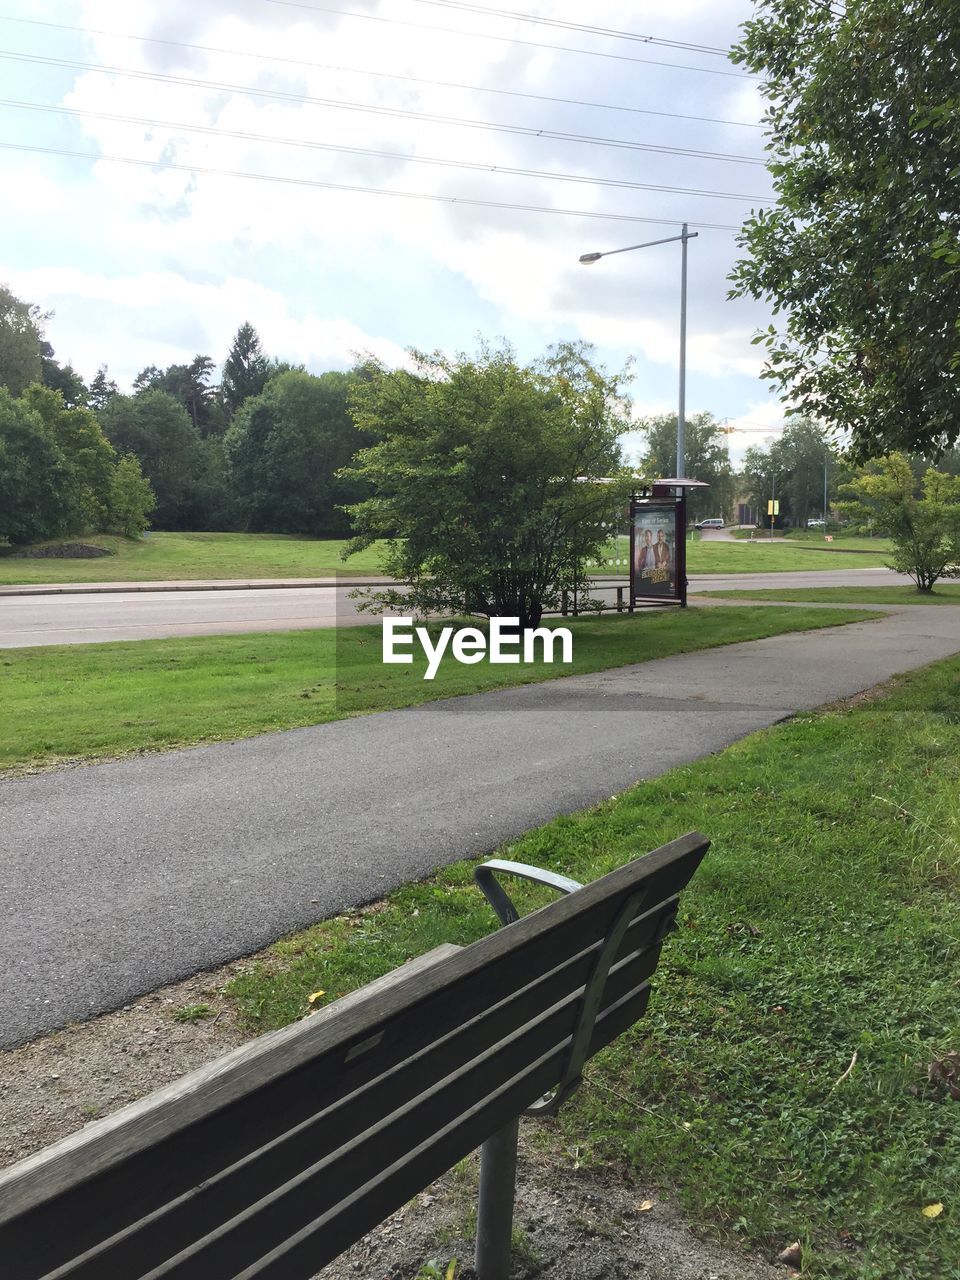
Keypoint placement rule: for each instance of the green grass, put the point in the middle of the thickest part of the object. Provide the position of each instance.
(168, 556)
(759, 556)
(944, 593)
(823, 924)
(88, 701)
(815, 538)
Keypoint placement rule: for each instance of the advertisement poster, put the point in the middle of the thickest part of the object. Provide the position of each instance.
(654, 545)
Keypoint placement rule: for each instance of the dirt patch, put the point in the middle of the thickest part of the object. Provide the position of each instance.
(62, 551)
(570, 1223)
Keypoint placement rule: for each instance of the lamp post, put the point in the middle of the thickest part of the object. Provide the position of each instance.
(683, 237)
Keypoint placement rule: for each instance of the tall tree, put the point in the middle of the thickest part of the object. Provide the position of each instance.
(88, 455)
(33, 476)
(284, 451)
(157, 430)
(864, 144)
(245, 370)
(21, 333)
(188, 383)
(62, 377)
(478, 477)
(707, 459)
(102, 390)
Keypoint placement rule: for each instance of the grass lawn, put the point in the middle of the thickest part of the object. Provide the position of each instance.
(166, 556)
(84, 701)
(944, 593)
(815, 538)
(759, 556)
(784, 1084)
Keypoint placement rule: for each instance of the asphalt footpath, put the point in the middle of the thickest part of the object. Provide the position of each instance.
(118, 878)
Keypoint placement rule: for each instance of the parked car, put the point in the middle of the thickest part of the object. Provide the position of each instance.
(816, 524)
(714, 522)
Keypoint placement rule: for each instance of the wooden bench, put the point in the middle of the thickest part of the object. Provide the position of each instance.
(272, 1160)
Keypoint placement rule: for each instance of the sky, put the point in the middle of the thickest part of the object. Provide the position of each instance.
(336, 172)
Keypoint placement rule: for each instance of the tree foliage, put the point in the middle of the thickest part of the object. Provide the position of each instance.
(245, 370)
(284, 451)
(707, 459)
(793, 469)
(190, 384)
(33, 476)
(21, 333)
(859, 253)
(477, 475)
(922, 520)
(87, 453)
(131, 498)
(156, 429)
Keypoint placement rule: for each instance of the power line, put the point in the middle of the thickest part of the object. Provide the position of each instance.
(481, 35)
(530, 131)
(588, 28)
(383, 75)
(351, 187)
(440, 162)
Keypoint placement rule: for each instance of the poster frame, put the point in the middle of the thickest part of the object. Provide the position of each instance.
(678, 506)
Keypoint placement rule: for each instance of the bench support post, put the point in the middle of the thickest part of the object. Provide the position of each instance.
(498, 1179)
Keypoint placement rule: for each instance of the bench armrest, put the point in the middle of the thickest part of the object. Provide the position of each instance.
(494, 892)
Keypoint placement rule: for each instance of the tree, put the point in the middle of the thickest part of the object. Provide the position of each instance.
(922, 521)
(33, 476)
(21, 333)
(478, 474)
(87, 453)
(707, 459)
(245, 370)
(102, 390)
(284, 450)
(862, 121)
(188, 383)
(62, 377)
(131, 498)
(157, 430)
(793, 470)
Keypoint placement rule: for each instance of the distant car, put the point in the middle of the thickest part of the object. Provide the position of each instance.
(713, 523)
(816, 524)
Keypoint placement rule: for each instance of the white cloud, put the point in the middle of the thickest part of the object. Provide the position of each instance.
(173, 260)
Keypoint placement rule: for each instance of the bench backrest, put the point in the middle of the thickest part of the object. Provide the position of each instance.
(272, 1160)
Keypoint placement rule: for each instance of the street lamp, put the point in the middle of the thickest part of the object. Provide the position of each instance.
(685, 235)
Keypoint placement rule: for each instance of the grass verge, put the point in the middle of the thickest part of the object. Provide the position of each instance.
(945, 593)
(704, 555)
(169, 556)
(785, 1083)
(88, 701)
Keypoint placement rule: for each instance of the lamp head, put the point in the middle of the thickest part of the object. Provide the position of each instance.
(590, 257)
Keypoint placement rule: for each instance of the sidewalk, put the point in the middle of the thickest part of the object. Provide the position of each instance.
(118, 878)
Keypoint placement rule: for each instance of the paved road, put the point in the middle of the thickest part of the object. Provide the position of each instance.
(85, 618)
(117, 878)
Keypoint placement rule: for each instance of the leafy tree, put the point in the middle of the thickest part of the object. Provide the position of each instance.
(62, 377)
(793, 470)
(156, 428)
(707, 459)
(245, 370)
(923, 521)
(188, 383)
(131, 498)
(102, 390)
(33, 476)
(21, 333)
(88, 455)
(477, 476)
(862, 121)
(284, 450)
